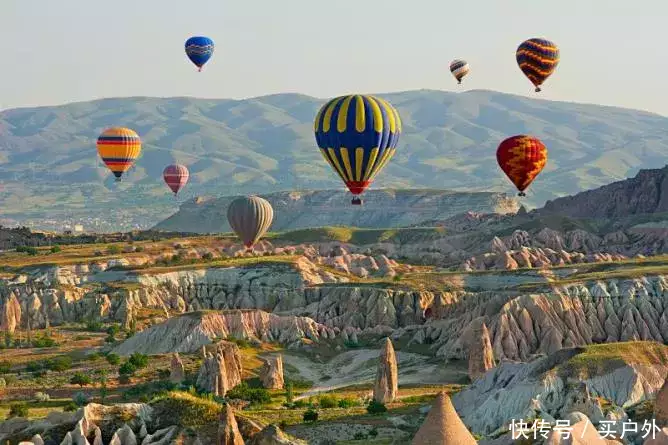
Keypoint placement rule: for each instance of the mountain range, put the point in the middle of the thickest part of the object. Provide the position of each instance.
(49, 166)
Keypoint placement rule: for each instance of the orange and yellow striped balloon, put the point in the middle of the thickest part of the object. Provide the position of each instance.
(119, 148)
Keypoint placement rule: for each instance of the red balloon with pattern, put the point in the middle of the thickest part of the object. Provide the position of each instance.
(176, 176)
(521, 158)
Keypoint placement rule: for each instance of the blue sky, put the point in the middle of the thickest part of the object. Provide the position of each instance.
(53, 52)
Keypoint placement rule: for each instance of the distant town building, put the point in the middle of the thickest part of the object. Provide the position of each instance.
(78, 228)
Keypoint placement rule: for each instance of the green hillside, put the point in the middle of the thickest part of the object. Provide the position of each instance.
(49, 166)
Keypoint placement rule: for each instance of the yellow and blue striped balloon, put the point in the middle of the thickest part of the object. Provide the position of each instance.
(357, 135)
(119, 148)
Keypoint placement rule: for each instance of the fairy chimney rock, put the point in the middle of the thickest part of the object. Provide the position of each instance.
(271, 373)
(481, 354)
(387, 377)
(443, 426)
(221, 371)
(228, 430)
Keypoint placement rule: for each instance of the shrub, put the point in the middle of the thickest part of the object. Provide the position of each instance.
(56, 249)
(376, 407)
(127, 369)
(138, 360)
(94, 326)
(113, 330)
(42, 397)
(139, 249)
(34, 366)
(163, 374)
(70, 406)
(18, 410)
(43, 342)
(80, 399)
(244, 392)
(113, 359)
(59, 364)
(208, 256)
(80, 379)
(348, 403)
(185, 410)
(328, 401)
(27, 249)
(310, 415)
(5, 367)
(359, 436)
(114, 250)
(373, 433)
(289, 393)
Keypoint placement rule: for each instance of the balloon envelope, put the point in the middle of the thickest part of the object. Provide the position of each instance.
(521, 158)
(199, 50)
(119, 148)
(459, 69)
(537, 58)
(250, 218)
(357, 136)
(176, 176)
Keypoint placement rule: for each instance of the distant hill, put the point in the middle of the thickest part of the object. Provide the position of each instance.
(646, 193)
(382, 208)
(49, 168)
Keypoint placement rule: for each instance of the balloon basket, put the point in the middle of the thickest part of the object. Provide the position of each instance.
(538, 90)
(356, 202)
(117, 180)
(521, 194)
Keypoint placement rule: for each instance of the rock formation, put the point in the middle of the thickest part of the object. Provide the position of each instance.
(661, 406)
(176, 371)
(271, 373)
(646, 193)
(543, 389)
(386, 385)
(272, 435)
(582, 433)
(443, 426)
(221, 370)
(479, 345)
(10, 313)
(228, 431)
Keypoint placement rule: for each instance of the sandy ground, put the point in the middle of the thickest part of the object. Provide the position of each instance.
(359, 367)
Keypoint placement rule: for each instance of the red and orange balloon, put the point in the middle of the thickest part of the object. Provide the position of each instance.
(521, 158)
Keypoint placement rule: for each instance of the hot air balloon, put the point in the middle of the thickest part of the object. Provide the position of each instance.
(459, 69)
(119, 148)
(176, 176)
(357, 135)
(521, 158)
(199, 50)
(250, 218)
(537, 58)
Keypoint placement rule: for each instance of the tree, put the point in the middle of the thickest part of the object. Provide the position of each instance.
(139, 361)
(18, 410)
(376, 408)
(310, 415)
(101, 378)
(113, 359)
(289, 393)
(127, 369)
(80, 379)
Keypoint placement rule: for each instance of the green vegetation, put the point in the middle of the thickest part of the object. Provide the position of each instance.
(358, 236)
(376, 408)
(185, 410)
(113, 359)
(310, 415)
(602, 358)
(18, 409)
(243, 391)
(81, 379)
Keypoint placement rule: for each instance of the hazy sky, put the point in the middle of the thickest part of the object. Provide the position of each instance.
(58, 51)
